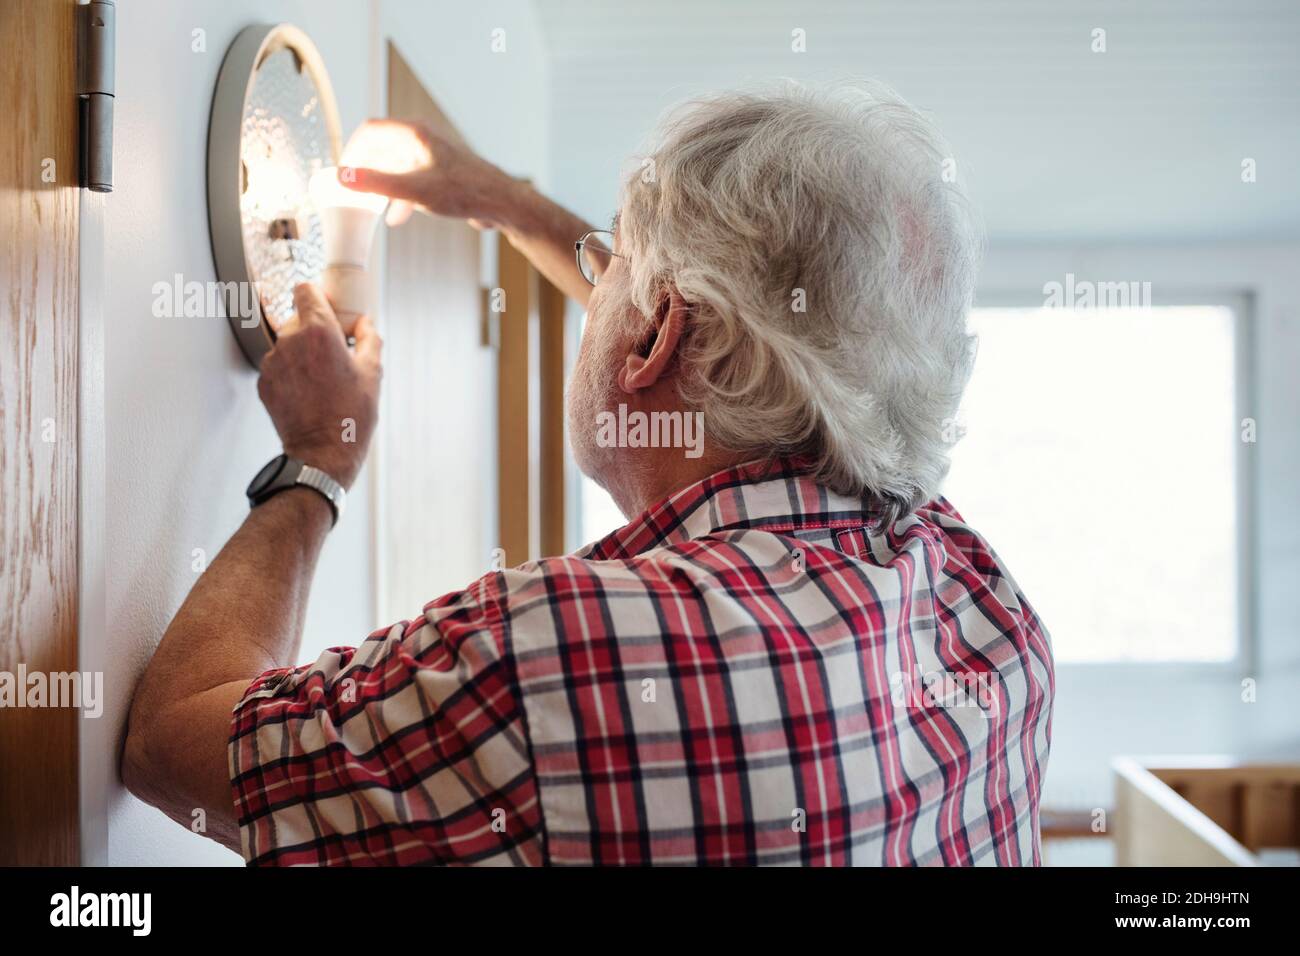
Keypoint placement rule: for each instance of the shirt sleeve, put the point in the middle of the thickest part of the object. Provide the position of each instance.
(408, 749)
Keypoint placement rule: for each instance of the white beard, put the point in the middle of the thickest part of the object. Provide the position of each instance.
(593, 389)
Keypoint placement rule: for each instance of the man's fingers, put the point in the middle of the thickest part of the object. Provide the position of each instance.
(369, 344)
(308, 301)
(394, 185)
(311, 306)
(289, 326)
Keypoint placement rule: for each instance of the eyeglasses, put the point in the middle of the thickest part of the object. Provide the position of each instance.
(595, 252)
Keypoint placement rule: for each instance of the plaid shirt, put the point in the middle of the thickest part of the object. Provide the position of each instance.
(750, 672)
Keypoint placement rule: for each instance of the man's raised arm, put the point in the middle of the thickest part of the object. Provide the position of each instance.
(458, 183)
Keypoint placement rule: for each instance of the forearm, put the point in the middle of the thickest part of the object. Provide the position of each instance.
(245, 614)
(545, 232)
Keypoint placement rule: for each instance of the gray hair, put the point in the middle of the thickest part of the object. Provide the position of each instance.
(750, 202)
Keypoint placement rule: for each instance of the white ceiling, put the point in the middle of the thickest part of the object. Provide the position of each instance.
(1144, 141)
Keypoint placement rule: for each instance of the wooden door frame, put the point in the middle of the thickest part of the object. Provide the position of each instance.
(531, 473)
(552, 471)
(40, 410)
(513, 302)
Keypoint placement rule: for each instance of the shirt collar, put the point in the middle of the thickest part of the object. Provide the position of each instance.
(776, 495)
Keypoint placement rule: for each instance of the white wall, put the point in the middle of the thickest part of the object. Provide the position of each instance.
(184, 428)
(498, 100)
(1036, 119)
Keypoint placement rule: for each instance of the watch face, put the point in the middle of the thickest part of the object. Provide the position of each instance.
(267, 475)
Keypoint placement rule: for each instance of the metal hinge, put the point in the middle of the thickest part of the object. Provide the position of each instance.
(95, 93)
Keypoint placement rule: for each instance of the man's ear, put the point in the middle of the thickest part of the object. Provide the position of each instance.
(639, 371)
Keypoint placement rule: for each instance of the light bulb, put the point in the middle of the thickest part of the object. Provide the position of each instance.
(348, 219)
(272, 189)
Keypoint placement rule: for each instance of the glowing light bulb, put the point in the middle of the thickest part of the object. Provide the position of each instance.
(348, 219)
(272, 191)
(389, 146)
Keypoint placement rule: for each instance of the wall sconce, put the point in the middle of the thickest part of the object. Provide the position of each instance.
(274, 125)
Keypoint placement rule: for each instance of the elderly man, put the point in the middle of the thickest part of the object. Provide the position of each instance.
(794, 652)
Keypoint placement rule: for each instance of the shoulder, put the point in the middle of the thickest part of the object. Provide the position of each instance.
(941, 509)
(534, 595)
(959, 538)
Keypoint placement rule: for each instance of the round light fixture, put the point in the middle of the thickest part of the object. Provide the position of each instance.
(274, 124)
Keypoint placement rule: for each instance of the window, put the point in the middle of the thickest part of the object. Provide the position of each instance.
(599, 514)
(1101, 463)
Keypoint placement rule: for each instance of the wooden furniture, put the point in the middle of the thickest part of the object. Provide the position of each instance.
(1210, 811)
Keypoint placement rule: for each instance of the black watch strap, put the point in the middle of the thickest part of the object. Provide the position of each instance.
(282, 473)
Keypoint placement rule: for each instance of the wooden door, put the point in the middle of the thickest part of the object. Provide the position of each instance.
(39, 271)
(434, 473)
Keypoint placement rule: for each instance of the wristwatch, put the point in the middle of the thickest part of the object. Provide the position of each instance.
(282, 472)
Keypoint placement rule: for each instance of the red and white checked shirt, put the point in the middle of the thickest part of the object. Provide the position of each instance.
(749, 673)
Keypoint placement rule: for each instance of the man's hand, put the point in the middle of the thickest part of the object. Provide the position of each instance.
(322, 396)
(416, 166)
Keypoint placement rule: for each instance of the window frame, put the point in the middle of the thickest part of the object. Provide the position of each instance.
(1241, 302)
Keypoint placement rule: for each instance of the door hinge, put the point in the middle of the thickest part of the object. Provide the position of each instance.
(95, 90)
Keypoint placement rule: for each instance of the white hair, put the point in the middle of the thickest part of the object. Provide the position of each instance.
(755, 205)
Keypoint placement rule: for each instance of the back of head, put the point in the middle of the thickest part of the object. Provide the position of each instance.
(829, 264)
